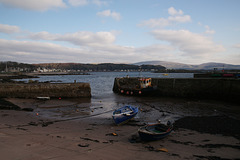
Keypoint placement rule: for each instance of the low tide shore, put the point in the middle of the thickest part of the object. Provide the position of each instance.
(89, 133)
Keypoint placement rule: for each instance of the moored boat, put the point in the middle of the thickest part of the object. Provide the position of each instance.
(135, 86)
(124, 114)
(155, 131)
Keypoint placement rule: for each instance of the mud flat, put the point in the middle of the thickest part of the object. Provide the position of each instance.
(86, 132)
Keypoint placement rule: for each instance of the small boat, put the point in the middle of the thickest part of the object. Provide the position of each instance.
(135, 86)
(155, 131)
(124, 114)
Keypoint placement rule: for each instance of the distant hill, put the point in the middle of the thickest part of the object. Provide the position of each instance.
(10, 66)
(99, 67)
(212, 65)
(18, 67)
(204, 66)
(168, 65)
(144, 66)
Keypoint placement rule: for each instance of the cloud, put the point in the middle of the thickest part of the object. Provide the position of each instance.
(180, 19)
(190, 44)
(90, 47)
(99, 2)
(88, 38)
(152, 23)
(4, 28)
(99, 47)
(39, 52)
(36, 52)
(38, 5)
(156, 51)
(208, 30)
(83, 38)
(175, 17)
(237, 46)
(78, 2)
(42, 36)
(86, 2)
(99, 42)
(172, 11)
(44, 5)
(109, 13)
(178, 16)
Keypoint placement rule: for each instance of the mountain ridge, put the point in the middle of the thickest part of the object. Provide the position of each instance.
(203, 66)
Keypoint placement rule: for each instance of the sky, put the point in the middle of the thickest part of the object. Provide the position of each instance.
(120, 31)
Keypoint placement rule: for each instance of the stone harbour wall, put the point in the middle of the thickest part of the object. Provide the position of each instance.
(53, 90)
(226, 89)
(199, 88)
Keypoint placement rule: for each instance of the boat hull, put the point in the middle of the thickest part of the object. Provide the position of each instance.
(121, 115)
(152, 134)
(138, 92)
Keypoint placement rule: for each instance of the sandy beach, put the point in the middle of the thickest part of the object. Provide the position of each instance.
(89, 133)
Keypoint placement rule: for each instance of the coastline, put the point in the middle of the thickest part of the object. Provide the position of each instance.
(88, 135)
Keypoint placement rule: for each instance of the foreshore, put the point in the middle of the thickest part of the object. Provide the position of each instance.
(86, 131)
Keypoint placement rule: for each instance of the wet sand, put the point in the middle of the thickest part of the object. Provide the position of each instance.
(65, 129)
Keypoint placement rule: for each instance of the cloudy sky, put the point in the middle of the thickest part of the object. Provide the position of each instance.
(120, 31)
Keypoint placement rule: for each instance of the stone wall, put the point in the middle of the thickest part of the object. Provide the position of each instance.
(34, 90)
(226, 89)
(199, 88)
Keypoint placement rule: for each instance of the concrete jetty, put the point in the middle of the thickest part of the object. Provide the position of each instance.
(224, 89)
(53, 90)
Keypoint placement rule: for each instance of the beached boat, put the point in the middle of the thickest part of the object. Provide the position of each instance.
(155, 131)
(135, 86)
(124, 114)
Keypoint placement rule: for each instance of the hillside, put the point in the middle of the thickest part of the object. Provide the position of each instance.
(168, 65)
(98, 67)
(204, 66)
(20, 67)
(15, 66)
(146, 66)
(212, 65)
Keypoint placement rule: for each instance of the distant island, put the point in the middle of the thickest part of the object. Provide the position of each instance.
(9, 66)
(148, 66)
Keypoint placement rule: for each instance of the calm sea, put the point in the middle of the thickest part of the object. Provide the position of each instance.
(102, 82)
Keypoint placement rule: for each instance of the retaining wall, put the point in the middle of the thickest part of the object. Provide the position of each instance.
(226, 89)
(55, 90)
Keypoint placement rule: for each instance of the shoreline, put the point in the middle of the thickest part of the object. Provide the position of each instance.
(89, 133)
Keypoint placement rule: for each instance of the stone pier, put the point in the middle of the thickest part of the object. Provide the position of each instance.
(53, 90)
(207, 88)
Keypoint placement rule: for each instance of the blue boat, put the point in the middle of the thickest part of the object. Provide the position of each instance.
(156, 131)
(124, 114)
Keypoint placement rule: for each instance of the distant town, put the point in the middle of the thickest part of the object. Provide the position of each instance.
(14, 67)
(80, 68)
